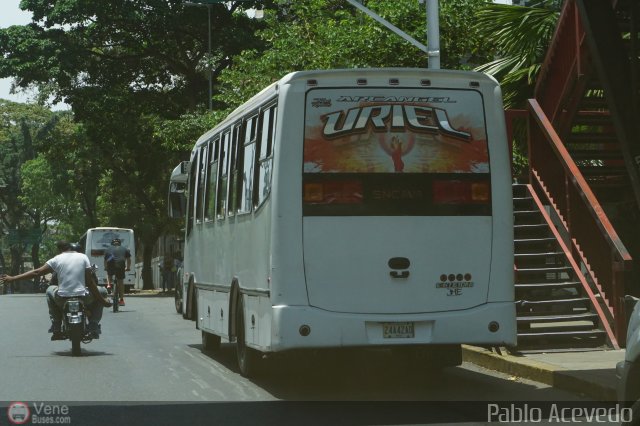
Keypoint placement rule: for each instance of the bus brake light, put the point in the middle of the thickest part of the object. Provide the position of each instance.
(333, 192)
(480, 192)
(460, 192)
(313, 193)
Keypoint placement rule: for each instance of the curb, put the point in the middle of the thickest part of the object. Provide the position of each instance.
(552, 375)
(154, 292)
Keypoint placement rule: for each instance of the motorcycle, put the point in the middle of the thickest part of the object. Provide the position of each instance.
(75, 321)
(75, 324)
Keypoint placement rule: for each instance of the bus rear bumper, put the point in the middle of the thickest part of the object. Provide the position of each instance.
(307, 327)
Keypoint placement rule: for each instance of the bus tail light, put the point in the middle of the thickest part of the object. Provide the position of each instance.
(333, 192)
(461, 192)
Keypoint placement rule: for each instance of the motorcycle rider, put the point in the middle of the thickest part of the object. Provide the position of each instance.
(73, 270)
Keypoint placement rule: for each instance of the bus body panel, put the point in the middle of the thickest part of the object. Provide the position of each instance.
(501, 185)
(347, 263)
(334, 329)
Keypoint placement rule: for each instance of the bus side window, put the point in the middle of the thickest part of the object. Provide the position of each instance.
(265, 157)
(202, 178)
(193, 173)
(246, 165)
(212, 175)
(234, 158)
(221, 207)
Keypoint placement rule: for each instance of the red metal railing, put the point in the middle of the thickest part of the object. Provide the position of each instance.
(563, 76)
(592, 239)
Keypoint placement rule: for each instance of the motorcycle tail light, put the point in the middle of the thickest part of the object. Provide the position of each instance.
(73, 306)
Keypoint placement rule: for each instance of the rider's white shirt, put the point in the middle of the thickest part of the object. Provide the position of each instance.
(70, 267)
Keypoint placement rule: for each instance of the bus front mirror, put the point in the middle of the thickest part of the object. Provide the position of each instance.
(177, 201)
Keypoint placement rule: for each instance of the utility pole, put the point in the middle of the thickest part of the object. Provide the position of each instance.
(433, 30)
(209, 4)
(388, 24)
(433, 34)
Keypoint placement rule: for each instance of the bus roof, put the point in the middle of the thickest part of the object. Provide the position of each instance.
(336, 75)
(109, 228)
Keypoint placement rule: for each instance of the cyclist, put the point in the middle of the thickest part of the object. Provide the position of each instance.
(117, 260)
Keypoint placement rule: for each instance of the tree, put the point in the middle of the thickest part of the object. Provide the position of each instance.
(125, 67)
(318, 34)
(21, 128)
(520, 37)
(62, 180)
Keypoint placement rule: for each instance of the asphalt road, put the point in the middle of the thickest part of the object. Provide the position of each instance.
(148, 355)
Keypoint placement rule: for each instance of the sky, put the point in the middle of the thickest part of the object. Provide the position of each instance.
(10, 14)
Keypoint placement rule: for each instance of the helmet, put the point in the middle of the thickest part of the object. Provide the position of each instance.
(75, 247)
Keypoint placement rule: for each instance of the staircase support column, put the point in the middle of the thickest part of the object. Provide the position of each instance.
(614, 69)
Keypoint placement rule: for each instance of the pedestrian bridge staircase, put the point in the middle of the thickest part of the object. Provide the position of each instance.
(577, 218)
(555, 307)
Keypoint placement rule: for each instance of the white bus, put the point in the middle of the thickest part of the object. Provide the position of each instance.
(95, 242)
(352, 208)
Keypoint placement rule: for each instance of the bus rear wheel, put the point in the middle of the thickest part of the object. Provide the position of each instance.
(190, 301)
(249, 359)
(210, 342)
(178, 298)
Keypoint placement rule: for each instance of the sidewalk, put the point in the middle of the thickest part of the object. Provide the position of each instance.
(589, 373)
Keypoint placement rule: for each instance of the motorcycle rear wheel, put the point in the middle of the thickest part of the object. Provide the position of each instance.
(75, 346)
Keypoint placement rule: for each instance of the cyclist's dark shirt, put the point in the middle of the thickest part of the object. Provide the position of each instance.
(119, 255)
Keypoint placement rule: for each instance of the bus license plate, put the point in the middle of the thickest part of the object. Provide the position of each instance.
(397, 330)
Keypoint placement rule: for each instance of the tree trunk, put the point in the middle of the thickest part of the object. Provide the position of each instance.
(35, 255)
(16, 258)
(147, 256)
(16, 265)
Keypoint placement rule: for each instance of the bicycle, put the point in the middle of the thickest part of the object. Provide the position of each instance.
(115, 296)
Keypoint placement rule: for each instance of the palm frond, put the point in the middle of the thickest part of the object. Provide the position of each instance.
(520, 36)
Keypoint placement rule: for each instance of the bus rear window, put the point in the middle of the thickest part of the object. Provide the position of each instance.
(101, 239)
(395, 152)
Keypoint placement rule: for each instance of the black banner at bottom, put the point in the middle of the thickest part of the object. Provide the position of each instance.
(310, 413)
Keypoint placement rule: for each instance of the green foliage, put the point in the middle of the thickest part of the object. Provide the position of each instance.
(22, 127)
(42, 189)
(520, 37)
(320, 34)
(155, 48)
(180, 134)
